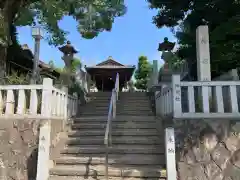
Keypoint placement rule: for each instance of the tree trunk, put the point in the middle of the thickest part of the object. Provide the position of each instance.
(8, 10)
(3, 67)
(6, 19)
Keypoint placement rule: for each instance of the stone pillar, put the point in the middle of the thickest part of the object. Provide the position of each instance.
(87, 82)
(46, 107)
(203, 59)
(154, 81)
(44, 151)
(203, 54)
(155, 72)
(68, 65)
(45, 131)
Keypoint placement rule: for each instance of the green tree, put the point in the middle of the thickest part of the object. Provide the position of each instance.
(222, 18)
(76, 64)
(142, 72)
(92, 16)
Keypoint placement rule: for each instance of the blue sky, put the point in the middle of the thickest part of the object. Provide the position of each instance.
(132, 35)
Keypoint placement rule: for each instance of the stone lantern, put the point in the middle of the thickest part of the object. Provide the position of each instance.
(166, 48)
(68, 52)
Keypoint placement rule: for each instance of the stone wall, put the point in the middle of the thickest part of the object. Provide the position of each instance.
(208, 149)
(19, 147)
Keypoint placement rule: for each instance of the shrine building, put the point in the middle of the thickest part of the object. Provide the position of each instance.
(104, 74)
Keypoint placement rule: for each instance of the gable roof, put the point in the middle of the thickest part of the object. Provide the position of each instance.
(110, 61)
(28, 54)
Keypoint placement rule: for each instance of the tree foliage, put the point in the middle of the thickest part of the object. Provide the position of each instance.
(76, 64)
(74, 86)
(92, 16)
(142, 72)
(223, 20)
(172, 60)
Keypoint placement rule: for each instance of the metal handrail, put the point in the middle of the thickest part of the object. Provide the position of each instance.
(111, 115)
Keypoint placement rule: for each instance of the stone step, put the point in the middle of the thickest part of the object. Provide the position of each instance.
(133, 93)
(95, 107)
(100, 93)
(138, 94)
(115, 149)
(121, 95)
(135, 113)
(99, 170)
(125, 98)
(116, 132)
(132, 97)
(133, 110)
(115, 121)
(125, 104)
(123, 113)
(134, 107)
(127, 125)
(55, 177)
(119, 107)
(102, 121)
(101, 99)
(119, 111)
(119, 103)
(121, 100)
(93, 112)
(116, 140)
(106, 107)
(118, 118)
(151, 124)
(113, 159)
(132, 101)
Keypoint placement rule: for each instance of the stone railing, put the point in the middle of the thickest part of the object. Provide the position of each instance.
(32, 118)
(193, 100)
(36, 101)
(201, 117)
(189, 101)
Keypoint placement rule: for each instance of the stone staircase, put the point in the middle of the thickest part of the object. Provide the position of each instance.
(137, 151)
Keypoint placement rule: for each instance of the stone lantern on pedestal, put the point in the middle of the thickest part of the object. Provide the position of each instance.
(68, 52)
(166, 47)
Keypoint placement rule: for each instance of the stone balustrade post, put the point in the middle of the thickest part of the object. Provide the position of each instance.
(75, 103)
(65, 105)
(45, 131)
